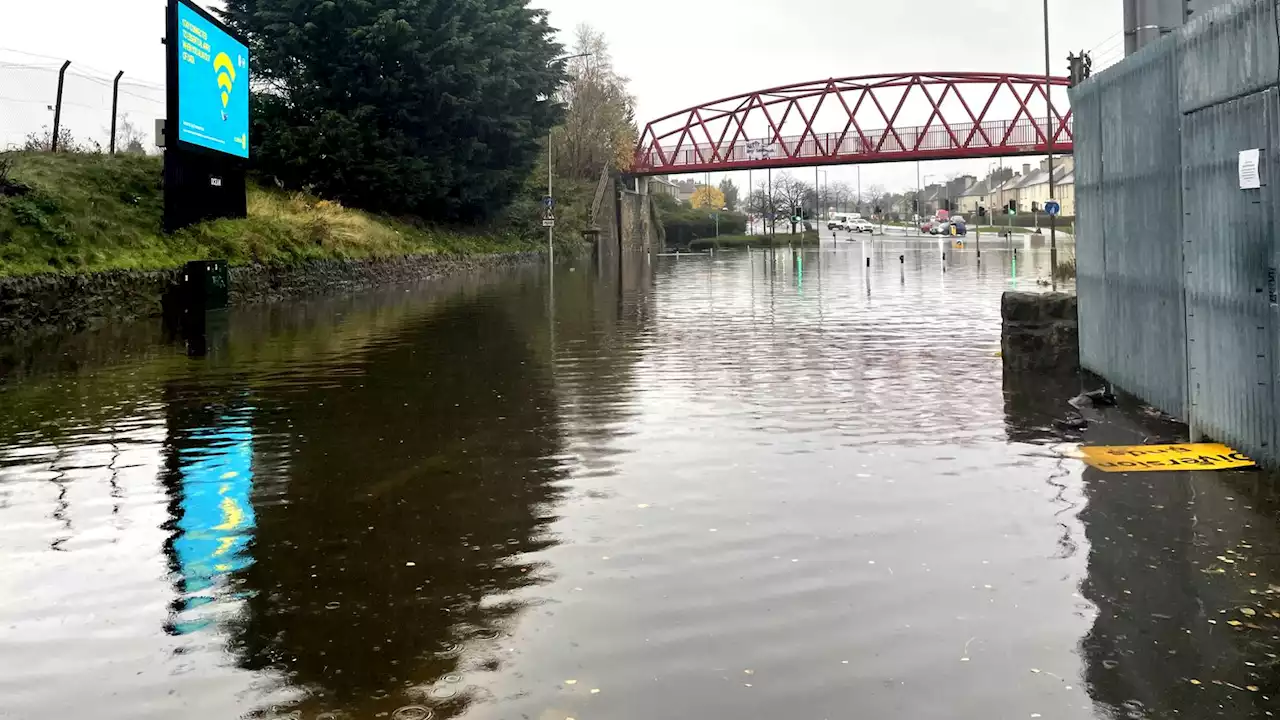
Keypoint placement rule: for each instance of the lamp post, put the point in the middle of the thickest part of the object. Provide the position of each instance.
(1048, 139)
(551, 229)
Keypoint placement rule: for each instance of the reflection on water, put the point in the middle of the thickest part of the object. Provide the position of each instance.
(215, 513)
(765, 485)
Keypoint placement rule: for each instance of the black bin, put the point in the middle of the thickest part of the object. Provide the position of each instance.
(206, 285)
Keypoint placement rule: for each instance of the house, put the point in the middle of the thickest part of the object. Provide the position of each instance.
(1034, 192)
(932, 199)
(975, 196)
(1002, 194)
(1066, 192)
(660, 185)
(685, 190)
(956, 187)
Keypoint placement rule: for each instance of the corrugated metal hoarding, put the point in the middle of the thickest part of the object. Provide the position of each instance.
(1177, 262)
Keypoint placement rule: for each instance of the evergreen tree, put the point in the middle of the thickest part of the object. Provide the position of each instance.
(730, 191)
(437, 108)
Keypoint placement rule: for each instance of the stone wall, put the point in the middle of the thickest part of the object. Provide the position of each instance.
(61, 303)
(637, 222)
(1039, 332)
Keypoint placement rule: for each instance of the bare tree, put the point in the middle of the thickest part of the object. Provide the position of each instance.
(877, 196)
(129, 137)
(789, 193)
(840, 195)
(760, 203)
(599, 127)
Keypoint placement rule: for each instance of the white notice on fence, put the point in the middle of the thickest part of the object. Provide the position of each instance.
(1249, 177)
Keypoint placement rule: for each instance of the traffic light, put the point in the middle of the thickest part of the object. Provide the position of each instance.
(1035, 207)
(982, 211)
(1013, 207)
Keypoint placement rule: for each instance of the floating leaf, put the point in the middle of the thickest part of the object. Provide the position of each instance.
(595, 691)
(1251, 688)
(1195, 682)
(1248, 612)
(1234, 623)
(570, 682)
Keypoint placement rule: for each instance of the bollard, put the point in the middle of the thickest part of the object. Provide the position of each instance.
(868, 262)
(902, 258)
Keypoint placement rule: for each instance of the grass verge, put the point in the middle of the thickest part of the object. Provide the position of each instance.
(75, 212)
(725, 242)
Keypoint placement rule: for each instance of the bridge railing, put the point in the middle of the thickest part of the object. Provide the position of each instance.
(991, 137)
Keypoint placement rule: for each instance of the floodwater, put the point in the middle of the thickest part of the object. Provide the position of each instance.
(740, 486)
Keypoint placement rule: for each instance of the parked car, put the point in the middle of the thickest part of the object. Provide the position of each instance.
(940, 227)
(862, 226)
(927, 226)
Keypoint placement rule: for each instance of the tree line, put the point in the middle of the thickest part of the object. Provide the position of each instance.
(438, 109)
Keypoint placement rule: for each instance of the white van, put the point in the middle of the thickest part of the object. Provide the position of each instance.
(842, 220)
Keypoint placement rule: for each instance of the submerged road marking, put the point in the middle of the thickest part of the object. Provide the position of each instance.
(1164, 458)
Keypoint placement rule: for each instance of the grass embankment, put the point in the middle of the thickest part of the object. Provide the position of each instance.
(76, 212)
(1002, 229)
(725, 242)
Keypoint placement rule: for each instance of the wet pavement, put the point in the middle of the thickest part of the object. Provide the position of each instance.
(751, 486)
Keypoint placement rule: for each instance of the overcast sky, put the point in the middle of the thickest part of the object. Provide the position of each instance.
(676, 53)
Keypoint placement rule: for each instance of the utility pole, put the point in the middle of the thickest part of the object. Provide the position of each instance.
(551, 229)
(915, 215)
(859, 189)
(1048, 117)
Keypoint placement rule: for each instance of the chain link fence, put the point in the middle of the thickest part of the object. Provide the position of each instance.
(29, 106)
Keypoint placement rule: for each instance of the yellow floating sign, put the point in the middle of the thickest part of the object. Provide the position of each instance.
(1156, 458)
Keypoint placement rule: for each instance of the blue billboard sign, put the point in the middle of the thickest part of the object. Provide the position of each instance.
(213, 85)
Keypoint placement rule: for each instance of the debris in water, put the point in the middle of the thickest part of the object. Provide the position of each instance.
(1248, 612)
(595, 691)
(1194, 681)
(411, 564)
(570, 682)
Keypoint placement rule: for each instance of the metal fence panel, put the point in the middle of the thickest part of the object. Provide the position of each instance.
(1226, 52)
(1229, 249)
(1091, 226)
(1139, 340)
(1177, 263)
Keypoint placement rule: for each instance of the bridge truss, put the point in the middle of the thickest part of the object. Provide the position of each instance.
(863, 119)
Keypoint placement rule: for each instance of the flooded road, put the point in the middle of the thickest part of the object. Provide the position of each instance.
(741, 486)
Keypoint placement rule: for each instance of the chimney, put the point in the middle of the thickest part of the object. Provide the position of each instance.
(1026, 169)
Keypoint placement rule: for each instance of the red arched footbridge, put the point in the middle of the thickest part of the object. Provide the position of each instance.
(864, 119)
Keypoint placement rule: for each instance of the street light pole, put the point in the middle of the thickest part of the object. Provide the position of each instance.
(1048, 137)
(551, 229)
(915, 219)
